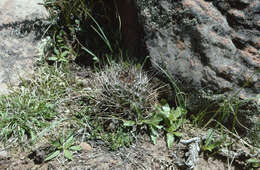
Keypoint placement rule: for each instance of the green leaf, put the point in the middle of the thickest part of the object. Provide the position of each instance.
(69, 142)
(158, 126)
(32, 135)
(62, 140)
(178, 134)
(95, 58)
(209, 138)
(210, 147)
(166, 108)
(129, 123)
(172, 128)
(52, 58)
(67, 154)
(153, 131)
(170, 139)
(179, 111)
(52, 155)
(56, 144)
(56, 51)
(253, 160)
(154, 138)
(75, 148)
(153, 135)
(154, 121)
(64, 54)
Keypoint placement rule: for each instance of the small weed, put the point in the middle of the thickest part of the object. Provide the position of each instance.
(253, 163)
(211, 143)
(166, 119)
(65, 146)
(172, 120)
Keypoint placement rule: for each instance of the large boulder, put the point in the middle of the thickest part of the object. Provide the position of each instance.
(206, 45)
(209, 47)
(21, 28)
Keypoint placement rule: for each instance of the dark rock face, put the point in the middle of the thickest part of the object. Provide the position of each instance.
(209, 45)
(131, 29)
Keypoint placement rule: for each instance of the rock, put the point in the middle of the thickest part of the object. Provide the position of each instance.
(3, 155)
(209, 47)
(203, 47)
(38, 156)
(85, 146)
(20, 30)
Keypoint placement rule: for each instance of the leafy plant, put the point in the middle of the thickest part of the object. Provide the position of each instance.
(61, 51)
(172, 120)
(253, 163)
(63, 146)
(211, 144)
(166, 119)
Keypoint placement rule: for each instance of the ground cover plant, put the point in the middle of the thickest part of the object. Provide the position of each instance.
(117, 102)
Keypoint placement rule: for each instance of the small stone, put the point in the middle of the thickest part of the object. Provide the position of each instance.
(85, 146)
(3, 155)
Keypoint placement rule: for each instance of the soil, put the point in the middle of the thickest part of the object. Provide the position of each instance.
(141, 155)
(19, 20)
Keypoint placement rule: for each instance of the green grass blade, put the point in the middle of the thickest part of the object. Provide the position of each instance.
(52, 155)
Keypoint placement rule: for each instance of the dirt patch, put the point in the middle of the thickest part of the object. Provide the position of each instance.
(140, 155)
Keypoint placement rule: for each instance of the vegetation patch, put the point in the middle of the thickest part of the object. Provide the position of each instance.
(115, 104)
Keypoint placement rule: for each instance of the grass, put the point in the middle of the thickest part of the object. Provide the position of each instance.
(75, 29)
(115, 103)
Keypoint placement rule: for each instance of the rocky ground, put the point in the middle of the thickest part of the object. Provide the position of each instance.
(141, 155)
(20, 31)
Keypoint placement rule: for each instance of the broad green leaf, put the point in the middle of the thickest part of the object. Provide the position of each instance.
(154, 121)
(170, 139)
(153, 131)
(178, 134)
(179, 123)
(75, 148)
(56, 143)
(56, 51)
(158, 126)
(255, 162)
(52, 58)
(69, 142)
(172, 117)
(67, 154)
(32, 135)
(52, 155)
(62, 140)
(129, 123)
